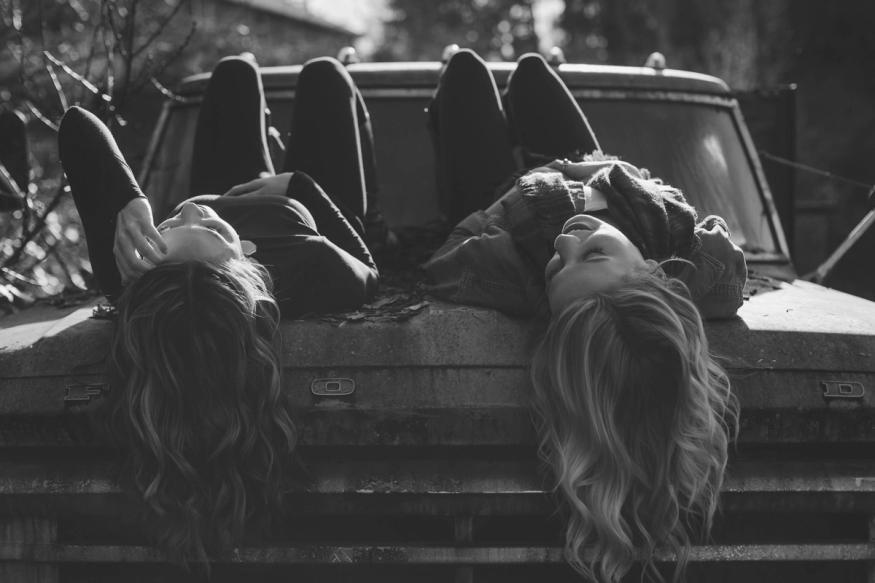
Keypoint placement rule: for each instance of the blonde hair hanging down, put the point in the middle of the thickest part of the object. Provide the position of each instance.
(197, 405)
(635, 418)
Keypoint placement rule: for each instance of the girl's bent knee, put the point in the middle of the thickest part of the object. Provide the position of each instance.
(532, 64)
(465, 63)
(326, 72)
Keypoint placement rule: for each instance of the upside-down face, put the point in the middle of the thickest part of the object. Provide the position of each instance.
(591, 256)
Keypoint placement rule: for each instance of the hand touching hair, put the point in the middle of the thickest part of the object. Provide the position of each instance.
(635, 420)
(196, 401)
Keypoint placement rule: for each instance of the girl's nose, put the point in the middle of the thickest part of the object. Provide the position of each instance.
(566, 246)
(190, 212)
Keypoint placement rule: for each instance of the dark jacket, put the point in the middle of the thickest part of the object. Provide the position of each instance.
(317, 261)
(496, 257)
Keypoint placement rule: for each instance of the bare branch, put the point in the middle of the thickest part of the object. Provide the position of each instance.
(167, 92)
(110, 8)
(56, 83)
(54, 251)
(92, 50)
(159, 29)
(76, 76)
(127, 52)
(130, 21)
(40, 223)
(10, 274)
(19, 35)
(40, 115)
(106, 7)
(147, 75)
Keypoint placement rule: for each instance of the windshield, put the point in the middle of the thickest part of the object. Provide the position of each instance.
(695, 147)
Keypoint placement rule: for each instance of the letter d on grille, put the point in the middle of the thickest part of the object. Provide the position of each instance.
(843, 390)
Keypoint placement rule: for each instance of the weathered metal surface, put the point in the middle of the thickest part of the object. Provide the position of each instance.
(423, 388)
(28, 530)
(466, 406)
(430, 555)
(798, 327)
(459, 427)
(447, 476)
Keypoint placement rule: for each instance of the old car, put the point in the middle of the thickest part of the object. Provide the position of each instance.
(414, 412)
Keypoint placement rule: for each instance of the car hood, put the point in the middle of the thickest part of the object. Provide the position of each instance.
(801, 358)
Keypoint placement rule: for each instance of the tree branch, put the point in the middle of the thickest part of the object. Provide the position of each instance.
(35, 111)
(56, 83)
(160, 27)
(146, 75)
(77, 77)
(92, 50)
(41, 222)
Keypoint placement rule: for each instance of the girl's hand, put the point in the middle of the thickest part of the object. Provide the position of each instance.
(278, 184)
(138, 245)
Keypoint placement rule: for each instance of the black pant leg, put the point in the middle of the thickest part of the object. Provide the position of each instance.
(470, 136)
(543, 115)
(329, 219)
(330, 137)
(230, 145)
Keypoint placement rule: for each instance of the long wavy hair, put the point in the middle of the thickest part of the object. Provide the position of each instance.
(635, 418)
(196, 402)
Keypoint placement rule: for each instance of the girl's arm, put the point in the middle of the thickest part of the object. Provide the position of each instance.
(494, 258)
(718, 272)
(116, 217)
(546, 201)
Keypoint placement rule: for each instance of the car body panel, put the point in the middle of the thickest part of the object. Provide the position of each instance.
(456, 375)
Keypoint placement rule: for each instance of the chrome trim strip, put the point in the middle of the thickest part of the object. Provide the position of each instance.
(580, 93)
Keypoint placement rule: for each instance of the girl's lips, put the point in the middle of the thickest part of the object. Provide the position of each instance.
(581, 223)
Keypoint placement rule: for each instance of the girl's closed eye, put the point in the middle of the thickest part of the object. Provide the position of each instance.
(593, 251)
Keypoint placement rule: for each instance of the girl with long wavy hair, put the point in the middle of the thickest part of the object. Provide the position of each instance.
(195, 373)
(634, 414)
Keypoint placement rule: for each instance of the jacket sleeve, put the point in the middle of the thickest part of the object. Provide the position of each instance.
(496, 258)
(322, 278)
(546, 202)
(483, 261)
(718, 272)
(102, 185)
(479, 266)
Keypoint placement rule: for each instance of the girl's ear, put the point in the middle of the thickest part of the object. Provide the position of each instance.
(248, 247)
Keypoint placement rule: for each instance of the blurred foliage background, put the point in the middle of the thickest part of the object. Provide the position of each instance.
(118, 57)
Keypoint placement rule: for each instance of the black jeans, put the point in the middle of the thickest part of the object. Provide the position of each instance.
(481, 138)
(330, 138)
